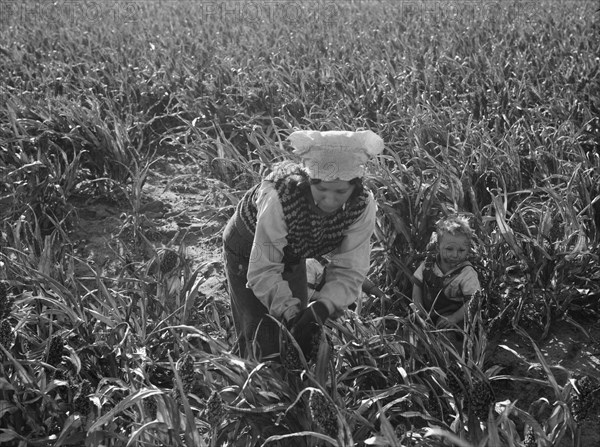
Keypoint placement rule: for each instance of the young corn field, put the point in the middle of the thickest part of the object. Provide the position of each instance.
(487, 108)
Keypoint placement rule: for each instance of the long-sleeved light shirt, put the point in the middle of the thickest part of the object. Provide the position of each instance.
(348, 266)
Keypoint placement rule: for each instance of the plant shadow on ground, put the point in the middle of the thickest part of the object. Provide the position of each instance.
(180, 209)
(569, 352)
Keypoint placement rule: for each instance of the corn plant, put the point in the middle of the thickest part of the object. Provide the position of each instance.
(486, 109)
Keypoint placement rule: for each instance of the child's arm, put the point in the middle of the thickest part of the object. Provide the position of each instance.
(468, 285)
(417, 299)
(454, 319)
(417, 292)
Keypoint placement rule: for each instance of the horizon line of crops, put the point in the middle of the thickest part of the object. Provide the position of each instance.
(486, 108)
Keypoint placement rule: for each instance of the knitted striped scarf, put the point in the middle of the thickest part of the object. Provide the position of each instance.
(309, 234)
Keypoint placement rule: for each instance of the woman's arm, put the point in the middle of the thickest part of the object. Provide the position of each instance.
(349, 263)
(266, 258)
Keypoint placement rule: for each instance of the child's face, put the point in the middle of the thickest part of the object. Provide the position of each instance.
(453, 249)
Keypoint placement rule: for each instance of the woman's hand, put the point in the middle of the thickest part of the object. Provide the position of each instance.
(290, 317)
(307, 325)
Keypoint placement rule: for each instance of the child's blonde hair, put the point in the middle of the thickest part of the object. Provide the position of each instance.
(454, 225)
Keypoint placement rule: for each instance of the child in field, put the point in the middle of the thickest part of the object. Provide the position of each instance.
(444, 283)
(300, 211)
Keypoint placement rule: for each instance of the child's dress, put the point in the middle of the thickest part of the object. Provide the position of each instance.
(443, 294)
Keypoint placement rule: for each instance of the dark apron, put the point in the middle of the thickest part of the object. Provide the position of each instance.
(435, 301)
(258, 335)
